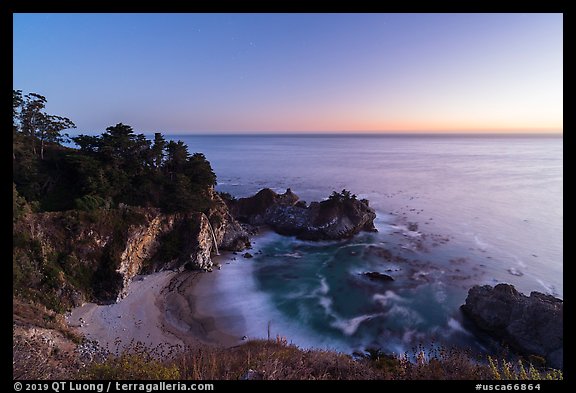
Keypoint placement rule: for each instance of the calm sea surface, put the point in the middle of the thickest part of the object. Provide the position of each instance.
(452, 211)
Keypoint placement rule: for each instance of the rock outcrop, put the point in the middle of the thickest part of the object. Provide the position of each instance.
(141, 242)
(332, 219)
(377, 276)
(532, 324)
(254, 210)
(230, 235)
(96, 254)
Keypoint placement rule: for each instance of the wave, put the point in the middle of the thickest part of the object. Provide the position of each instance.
(408, 316)
(326, 304)
(456, 326)
(290, 255)
(440, 293)
(550, 289)
(515, 272)
(350, 326)
(324, 288)
(387, 298)
(324, 301)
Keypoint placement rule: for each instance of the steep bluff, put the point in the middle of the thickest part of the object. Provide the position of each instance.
(230, 235)
(92, 256)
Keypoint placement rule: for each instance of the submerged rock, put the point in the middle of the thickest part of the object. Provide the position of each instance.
(530, 324)
(376, 276)
(341, 216)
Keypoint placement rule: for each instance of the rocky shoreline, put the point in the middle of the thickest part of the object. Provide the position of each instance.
(530, 325)
(159, 307)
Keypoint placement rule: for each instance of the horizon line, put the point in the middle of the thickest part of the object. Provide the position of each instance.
(360, 133)
(514, 132)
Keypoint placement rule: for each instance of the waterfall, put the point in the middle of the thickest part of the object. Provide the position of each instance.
(213, 235)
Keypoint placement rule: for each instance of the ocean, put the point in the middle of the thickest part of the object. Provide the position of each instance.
(452, 212)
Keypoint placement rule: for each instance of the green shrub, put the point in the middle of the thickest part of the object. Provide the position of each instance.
(90, 203)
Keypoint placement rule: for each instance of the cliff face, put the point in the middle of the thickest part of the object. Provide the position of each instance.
(141, 242)
(94, 255)
(229, 233)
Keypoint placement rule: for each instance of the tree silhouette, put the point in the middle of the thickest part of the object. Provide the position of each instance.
(36, 126)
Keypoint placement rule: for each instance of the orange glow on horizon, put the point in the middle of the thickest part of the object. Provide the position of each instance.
(399, 128)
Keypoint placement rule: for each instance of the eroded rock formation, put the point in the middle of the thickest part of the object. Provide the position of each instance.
(335, 218)
(529, 324)
(100, 252)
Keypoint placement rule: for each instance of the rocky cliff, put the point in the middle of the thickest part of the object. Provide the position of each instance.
(530, 324)
(340, 216)
(84, 256)
(230, 235)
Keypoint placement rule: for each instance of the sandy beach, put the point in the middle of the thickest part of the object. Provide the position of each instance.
(160, 308)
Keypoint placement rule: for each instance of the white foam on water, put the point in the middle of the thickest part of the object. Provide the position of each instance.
(409, 316)
(479, 210)
(515, 272)
(384, 222)
(324, 288)
(457, 326)
(326, 303)
(239, 307)
(388, 297)
(550, 289)
(399, 227)
(413, 234)
(483, 246)
(440, 292)
(238, 295)
(350, 326)
(408, 335)
(290, 255)
(519, 261)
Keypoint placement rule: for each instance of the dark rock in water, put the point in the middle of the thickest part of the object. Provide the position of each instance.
(376, 276)
(339, 217)
(379, 252)
(529, 324)
(253, 210)
(248, 255)
(515, 272)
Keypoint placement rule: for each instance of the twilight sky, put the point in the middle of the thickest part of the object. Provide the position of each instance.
(252, 73)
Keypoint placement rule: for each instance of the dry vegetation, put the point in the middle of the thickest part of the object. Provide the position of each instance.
(278, 360)
(43, 346)
(53, 352)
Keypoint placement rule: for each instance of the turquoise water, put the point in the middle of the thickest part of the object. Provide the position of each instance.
(482, 210)
(323, 288)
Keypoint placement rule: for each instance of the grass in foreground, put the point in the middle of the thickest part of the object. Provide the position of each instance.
(278, 360)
